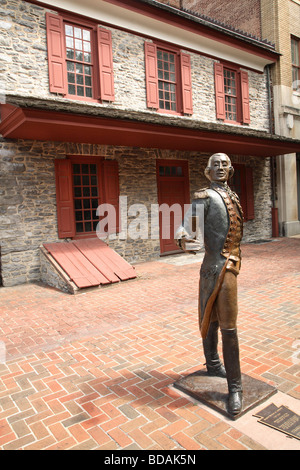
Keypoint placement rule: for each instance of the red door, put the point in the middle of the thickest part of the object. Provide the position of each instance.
(173, 194)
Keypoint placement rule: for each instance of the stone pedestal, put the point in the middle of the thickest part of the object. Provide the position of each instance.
(213, 391)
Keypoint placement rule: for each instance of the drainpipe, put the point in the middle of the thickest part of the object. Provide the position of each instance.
(275, 226)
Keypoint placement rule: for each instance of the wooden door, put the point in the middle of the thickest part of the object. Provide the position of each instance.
(173, 191)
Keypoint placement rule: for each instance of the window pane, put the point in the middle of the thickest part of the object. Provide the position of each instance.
(86, 35)
(79, 227)
(94, 203)
(70, 66)
(88, 81)
(88, 70)
(78, 55)
(71, 78)
(69, 30)
(87, 215)
(77, 180)
(78, 204)
(78, 33)
(78, 44)
(70, 54)
(87, 46)
(71, 89)
(79, 68)
(85, 180)
(77, 192)
(69, 42)
(94, 191)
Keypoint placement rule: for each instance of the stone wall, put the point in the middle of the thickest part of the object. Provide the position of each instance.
(28, 198)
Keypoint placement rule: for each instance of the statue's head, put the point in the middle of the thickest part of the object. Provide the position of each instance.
(219, 168)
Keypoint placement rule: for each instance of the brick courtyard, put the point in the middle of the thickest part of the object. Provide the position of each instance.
(95, 370)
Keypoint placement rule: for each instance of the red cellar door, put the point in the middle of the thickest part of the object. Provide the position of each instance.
(173, 188)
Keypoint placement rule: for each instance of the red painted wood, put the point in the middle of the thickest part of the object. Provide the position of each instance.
(34, 124)
(64, 199)
(105, 259)
(110, 174)
(92, 252)
(151, 75)
(107, 91)
(76, 265)
(219, 91)
(56, 54)
(245, 97)
(186, 79)
(171, 190)
(90, 262)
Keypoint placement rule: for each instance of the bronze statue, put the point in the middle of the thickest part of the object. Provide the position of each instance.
(223, 227)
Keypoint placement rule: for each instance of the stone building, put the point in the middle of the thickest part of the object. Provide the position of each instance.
(121, 102)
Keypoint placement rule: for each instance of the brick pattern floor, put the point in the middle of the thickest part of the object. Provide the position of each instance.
(95, 370)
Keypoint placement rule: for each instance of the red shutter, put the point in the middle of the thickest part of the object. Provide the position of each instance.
(111, 189)
(64, 199)
(249, 215)
(186, 80)
(56, 54)
(219, 90)
(107, 91)
(245, 97)
(151, 75)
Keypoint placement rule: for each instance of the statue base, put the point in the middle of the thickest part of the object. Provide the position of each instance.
(213, 391)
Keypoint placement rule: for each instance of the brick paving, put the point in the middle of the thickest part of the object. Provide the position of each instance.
(95, 370)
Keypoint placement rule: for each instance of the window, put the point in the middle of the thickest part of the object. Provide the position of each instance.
(82, 184)
(296, 63)
(86, 196)
(232, 94)
(80, 59)
(242, 183)
(170, 170)
(168, 79)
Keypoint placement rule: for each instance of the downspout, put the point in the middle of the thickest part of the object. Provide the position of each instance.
(275, 226)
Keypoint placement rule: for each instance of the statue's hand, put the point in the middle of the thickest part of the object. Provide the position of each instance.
(189, 245)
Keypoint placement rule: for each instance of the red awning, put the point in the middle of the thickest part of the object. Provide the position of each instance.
(34, 124)
(90, 262)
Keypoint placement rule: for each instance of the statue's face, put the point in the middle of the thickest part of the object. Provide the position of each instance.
(220, 168)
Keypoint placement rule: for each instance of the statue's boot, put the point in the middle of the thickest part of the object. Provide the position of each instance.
(210, 346)
(233, 371)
